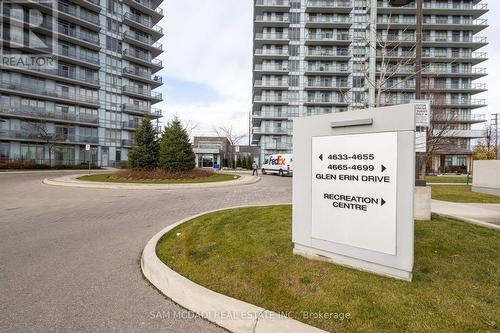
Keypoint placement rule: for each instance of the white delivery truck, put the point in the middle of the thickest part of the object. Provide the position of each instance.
(281, 164)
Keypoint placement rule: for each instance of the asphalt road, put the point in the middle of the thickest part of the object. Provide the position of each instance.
(69, 257)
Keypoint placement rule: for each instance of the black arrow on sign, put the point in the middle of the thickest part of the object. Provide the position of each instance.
(321, 157)
(383, 202)
(383, 168)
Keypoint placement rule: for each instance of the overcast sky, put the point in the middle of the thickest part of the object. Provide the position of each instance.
(208, 62)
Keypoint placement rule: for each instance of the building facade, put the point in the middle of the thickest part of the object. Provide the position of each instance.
(320, 56)
(98, 90)
(211, 151)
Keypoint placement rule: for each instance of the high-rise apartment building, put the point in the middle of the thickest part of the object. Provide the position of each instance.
(320, 56)
(96, 92)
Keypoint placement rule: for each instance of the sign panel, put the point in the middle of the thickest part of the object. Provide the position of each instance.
(422, 113)
(421, 142)
(87, 147)
(354, 193)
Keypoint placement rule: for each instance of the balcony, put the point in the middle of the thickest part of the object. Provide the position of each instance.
(142, 110)
(127, 143)
(328, 39)
(448, 87)
(26, 112)
(81, 58)
(326, 84)
(328, 70)
(438, 8)
(271, 84)
(271, 53)
(276, 146)
(135, 91)
(22, 135)
(276, 99)
(144, 42)
(143, 23)
(325, 6)
(48, 93)
(431, 23)
(271, 130)
(447, 117)
(457, 133)
(79, 16)
(328, 21)
(262, 6)
(139, 74)
(131, 124)
(143, 59)
(271, 21)
(326, 54)
(275, 38)
(473, 57)
(147, 7)
(325, 100)
(437, 101)
(272, 69)
(89, 40)
(466, 42)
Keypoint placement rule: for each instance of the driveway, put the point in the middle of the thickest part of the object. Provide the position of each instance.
(69, 257)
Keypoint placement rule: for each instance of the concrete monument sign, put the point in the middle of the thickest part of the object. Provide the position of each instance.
(353, 189)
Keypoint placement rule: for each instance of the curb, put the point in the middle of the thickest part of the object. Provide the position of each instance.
(72, 181)
(471, 221)
(227, 312)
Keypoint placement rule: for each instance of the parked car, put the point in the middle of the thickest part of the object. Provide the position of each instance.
(281, 164)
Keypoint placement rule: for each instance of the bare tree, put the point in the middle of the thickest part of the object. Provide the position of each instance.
(40, 131)
(233, 137)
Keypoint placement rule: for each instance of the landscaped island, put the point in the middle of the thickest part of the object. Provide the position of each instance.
(161, 177)
(247, 254)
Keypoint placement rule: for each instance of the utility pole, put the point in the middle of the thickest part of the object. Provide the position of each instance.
(494, 126)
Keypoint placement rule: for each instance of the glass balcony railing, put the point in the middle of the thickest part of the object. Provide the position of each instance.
(325, 99)
(329, 4)
(328, 69)
(272, 52)
(275, 19)
(271, 99)
(36, 136)
(149, 5)
(328, 37)
(329, 19)
(436, 39)
(91, 38)
(328, 53)
(142, 56)
(43, 113)
(144, 109)
(271, 83)
(50, 92)
(432, 20)
(274, 115)
(439, 5)
(142, 92)
(83, 56)
(271, 36)
(271, 68)
(436, 86)
(327, 84)
(144, 21)
(79, 76)
(80, 14)
(143, 39)
(433, 54)
(285, 3)
(271, 130)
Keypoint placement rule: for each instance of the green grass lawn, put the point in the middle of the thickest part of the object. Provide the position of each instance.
(247, 254)
(109, 178)
(448, 179)
(459, 193)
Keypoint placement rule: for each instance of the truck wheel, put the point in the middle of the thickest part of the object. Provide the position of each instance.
(281, 173)
(263, 171)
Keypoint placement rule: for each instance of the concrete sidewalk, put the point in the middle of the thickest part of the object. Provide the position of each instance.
(487, 215)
